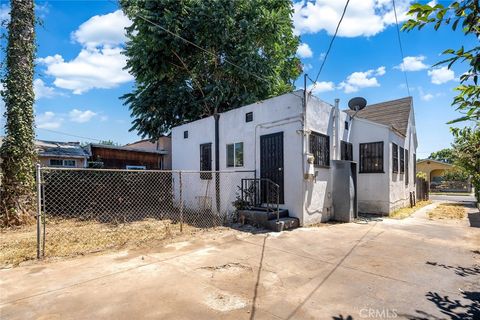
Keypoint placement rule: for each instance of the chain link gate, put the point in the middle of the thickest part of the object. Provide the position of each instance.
(90, 210)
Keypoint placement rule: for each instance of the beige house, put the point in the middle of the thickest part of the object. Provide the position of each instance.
(59, 154)
(433, 168)
(163, 143)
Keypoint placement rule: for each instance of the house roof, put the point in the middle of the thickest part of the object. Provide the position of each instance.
(126, 148)
(394, 113)
(58, 149)
(435, 161)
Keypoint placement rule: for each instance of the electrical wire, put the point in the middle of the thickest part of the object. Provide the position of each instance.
(70, 135)
(401, 47)
(330, 45)
(201, 48)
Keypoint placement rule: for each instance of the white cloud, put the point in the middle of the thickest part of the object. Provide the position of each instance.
(80, 116)
(441, 75)
(304, 51)
(103, 30)
(92, 68)
(362, 18)
(42, 90)
(412, 64)
(380, 71)
(322, 86)
(359, 80)
(307, 67)
(100, 62)
(48, 120)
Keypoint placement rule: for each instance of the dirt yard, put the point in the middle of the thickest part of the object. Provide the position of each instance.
(69, 237)
(415, 268)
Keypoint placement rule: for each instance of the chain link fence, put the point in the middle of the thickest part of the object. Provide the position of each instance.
(89, 210)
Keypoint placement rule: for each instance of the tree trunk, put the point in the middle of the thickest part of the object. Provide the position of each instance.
(17, 193)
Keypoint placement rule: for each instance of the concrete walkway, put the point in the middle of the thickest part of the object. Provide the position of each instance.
(408, 269)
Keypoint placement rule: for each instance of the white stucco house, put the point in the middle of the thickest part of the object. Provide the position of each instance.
(325, 161)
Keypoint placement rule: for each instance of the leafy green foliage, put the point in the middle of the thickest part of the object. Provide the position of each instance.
(464, 13)
(456, 174)
(18, 153)
(466, 147)
(251, 56)
(444, 155)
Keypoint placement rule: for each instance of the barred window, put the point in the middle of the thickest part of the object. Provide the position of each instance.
(371, 157)
(206, 160)
(394, 158)
(402, 160)
(347, 150)
(320, 148)
(406, 167)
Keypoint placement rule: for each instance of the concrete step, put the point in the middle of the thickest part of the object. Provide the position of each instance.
(283, 224)
(260, 216)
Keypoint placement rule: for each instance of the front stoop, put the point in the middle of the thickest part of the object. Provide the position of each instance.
(268, 219)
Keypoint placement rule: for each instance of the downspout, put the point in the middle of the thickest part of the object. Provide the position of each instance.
(336, 130)
(216, 116)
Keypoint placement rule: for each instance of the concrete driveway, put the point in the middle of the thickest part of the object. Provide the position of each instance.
(452, 197)
(409, 269)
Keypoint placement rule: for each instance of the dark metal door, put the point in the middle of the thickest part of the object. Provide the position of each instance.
(271, 161)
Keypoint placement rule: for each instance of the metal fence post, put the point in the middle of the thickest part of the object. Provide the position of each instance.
(39, 208)
(181, 200)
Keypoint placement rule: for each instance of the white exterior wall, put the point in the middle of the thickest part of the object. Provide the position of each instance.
(372, 188)
(399, 191)
(279, 114)
(318, 191)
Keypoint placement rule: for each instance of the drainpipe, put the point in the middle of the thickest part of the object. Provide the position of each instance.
(216, 116)
(336, 132)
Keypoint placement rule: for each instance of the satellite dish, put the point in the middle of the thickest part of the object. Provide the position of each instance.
(357, 103)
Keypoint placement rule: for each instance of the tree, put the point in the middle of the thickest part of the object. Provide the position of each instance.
(444, 155)
(467, 153)
(467, 14)
(250, 56)
(18, 152)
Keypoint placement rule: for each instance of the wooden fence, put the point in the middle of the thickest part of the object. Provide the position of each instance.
(422, 189)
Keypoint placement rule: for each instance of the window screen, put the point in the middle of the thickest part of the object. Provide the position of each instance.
(56, 162)
(206, 160)
(371, 157)
(402, 160)
(406, 167)
(394, 158)
(249, 117)
(235, 154)
(185, 134)
(69, 163)
(347, 151)
(320, 148)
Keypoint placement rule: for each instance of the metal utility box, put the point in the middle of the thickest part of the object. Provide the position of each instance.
(344, 190)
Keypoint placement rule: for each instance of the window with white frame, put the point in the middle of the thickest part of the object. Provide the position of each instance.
(62, 163)
(235, 155)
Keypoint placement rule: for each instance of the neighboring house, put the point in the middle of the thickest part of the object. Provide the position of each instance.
(60, 154)
(117, 157)
(384, 135)
(163, 143)
(313, 151)
(434, 169)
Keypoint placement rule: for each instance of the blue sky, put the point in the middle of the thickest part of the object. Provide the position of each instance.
(79, 76)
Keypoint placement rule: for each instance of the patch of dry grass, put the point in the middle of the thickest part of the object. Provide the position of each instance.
(454, 211)
(407, 212)
(75, 237)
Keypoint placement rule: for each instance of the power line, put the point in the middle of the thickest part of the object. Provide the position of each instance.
(201, 48)
(401, 47)
(70, 135)
(330, 46)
